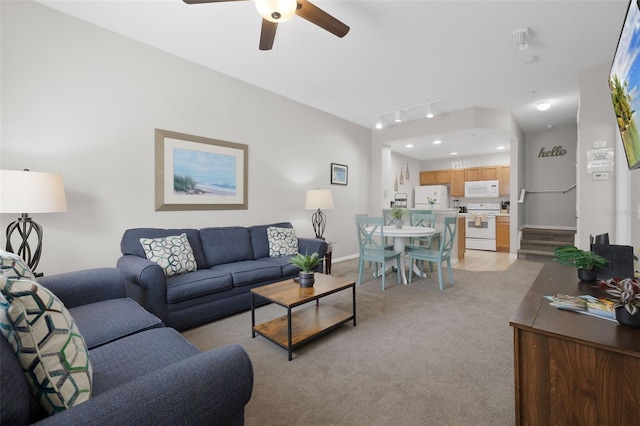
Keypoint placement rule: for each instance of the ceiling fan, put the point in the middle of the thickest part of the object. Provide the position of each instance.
(275, 11)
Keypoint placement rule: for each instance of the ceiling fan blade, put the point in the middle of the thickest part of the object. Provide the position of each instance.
(321, 18)
(207, 1)
(267, 34)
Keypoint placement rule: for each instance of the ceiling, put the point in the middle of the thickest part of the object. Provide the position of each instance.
(398, 54)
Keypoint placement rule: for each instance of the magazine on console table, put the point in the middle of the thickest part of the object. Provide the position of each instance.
(584, 304)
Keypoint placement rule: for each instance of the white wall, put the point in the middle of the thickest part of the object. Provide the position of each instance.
(551, 173)
(84, 102)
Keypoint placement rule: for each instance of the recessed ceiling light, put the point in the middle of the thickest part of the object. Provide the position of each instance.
(437, 142)
(500, 147)
(408, 146)
(543, 106)
(454, 153)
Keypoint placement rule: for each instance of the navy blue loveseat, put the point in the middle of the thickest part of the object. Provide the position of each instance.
(143, 373)
(230, 262)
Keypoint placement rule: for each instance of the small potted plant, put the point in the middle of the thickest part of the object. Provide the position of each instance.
(585, 261)
(307, 264)
(431, 202)
(626, 296)
(398, 213)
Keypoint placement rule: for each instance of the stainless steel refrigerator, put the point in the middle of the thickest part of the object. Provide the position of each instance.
(438, 193)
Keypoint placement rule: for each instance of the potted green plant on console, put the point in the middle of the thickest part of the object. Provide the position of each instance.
(585, 261)
(307, 264)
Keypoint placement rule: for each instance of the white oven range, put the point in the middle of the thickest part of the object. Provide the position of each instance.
(480, 226)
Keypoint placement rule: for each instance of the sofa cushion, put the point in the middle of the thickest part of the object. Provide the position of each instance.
(259, 240)
(126, 359)
(13, 267)
(108, 320)
(173, 253)
(226, 245)
(199, 283)
(50, 348)
(15, 403)
(282, 241)
(130, 243)
(250, 271)
(287, 269)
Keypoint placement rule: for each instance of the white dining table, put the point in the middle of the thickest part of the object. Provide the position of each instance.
(401, 237)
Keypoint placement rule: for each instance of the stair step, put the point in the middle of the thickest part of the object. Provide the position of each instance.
(535, 255)
(541, 245)
(544, 234)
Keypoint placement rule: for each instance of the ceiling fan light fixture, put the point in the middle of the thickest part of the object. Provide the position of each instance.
(276, 10)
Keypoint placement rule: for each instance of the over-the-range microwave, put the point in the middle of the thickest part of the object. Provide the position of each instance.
(481, 189)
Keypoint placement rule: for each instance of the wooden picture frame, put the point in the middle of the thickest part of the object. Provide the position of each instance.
(339, 174)
(198, 173)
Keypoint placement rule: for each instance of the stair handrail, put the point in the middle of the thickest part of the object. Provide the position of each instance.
(539, 191)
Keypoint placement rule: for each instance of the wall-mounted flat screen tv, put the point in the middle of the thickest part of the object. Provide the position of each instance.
(624, 83)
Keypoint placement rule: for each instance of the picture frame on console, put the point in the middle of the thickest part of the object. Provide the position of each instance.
(198, 173)
(339, 174)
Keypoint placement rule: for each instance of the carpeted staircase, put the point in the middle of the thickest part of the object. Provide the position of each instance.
(537, 244)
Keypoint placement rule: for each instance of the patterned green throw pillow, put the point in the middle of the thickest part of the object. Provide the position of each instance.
(282, 241)
(52, 353)
(173, 253)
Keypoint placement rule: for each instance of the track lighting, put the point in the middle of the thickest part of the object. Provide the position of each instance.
(429, 112)
(397, 118)
(379, 123)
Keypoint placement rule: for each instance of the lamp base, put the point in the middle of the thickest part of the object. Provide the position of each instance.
(319, 221)
(24, 226)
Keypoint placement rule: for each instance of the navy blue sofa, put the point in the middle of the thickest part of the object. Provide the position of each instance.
(230, 262)
(143, 373)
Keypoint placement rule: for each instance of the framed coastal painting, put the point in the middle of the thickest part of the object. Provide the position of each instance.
(197, 173)
(339, 174)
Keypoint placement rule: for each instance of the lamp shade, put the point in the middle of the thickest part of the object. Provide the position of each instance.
(318, 199)
(31, 192)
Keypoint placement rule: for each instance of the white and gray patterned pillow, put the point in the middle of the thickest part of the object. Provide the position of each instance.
(13, 267)
(44, 336)
(173, 253)
(282, 241)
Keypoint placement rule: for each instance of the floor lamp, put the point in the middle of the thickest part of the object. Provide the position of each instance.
(319, 199)
(32, 192)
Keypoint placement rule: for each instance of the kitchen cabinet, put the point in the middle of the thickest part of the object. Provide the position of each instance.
(504, 178)
(462, 237)
(473, 174)
(435, 177)
(457, 183)
(503, 234)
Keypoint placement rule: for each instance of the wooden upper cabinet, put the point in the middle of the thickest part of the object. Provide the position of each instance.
(457, 183)
(472, 174)
(428, 178)
(490, 173)
(435, 177)
(504, 178)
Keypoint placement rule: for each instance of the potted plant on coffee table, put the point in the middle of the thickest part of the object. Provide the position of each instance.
(307, 264)
(585, 261)
(398, 213)
(626, 296)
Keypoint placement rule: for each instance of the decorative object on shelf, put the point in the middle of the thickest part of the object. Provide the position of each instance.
(197, 173)
(319, 199)
(307, 264)
(626, 296)
(339, 174)
(407, 172)
(585, 261)
(30, 192)
(395, 184)
(398, 213)
(401, 176)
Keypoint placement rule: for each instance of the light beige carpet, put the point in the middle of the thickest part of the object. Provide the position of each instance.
(418, 355)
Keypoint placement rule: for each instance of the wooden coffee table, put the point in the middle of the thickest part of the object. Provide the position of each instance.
(302, 325)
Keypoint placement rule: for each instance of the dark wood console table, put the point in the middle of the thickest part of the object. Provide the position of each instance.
(570, 368)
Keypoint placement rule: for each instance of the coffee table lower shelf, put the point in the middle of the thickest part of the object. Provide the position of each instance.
(306, 324)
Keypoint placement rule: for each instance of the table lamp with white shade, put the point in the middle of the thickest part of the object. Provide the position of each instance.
(319, 199)
(24, 192)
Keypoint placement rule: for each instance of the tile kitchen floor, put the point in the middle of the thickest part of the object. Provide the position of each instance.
(480, 260)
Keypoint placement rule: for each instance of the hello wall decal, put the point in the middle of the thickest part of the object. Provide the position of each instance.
(556, 151)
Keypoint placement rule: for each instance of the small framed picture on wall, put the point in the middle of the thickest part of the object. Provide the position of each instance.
(339, 174)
